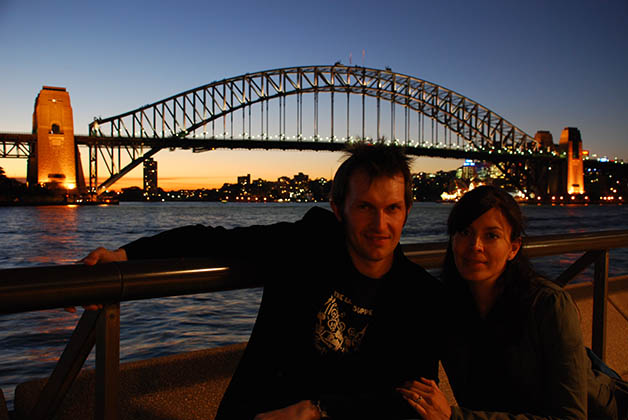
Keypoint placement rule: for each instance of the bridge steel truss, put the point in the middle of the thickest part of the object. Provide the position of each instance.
(191, 119)
(16, 145)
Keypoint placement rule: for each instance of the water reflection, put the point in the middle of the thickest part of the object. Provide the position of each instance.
(55, 229)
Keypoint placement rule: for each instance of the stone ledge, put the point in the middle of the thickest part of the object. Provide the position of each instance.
(187, 386)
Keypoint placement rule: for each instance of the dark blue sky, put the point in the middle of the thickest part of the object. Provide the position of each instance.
(540, 64)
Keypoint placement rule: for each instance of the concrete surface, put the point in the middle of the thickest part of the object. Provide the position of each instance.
(185, 386)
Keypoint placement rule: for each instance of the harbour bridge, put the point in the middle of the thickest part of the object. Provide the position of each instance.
(309, 108)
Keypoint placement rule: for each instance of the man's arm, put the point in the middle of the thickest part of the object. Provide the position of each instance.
(258, 244)
(263, 243)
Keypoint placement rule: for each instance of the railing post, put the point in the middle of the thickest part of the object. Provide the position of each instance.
(600, 299)
(108, 364)
(67, 368)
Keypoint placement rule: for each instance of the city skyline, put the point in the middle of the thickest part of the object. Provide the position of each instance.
(541, 66)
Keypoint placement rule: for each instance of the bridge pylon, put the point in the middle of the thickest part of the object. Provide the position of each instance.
(55, 163)
(563, 175)
(571, 145)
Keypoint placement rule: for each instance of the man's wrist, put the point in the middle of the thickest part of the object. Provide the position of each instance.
(321, 409)
(121, 254)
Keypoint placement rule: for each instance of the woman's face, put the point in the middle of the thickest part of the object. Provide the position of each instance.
(483, 248)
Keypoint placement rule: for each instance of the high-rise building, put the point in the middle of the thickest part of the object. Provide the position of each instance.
(150, 177)
(244, 180)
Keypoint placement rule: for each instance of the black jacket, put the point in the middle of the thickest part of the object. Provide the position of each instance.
(526, 360)
(304, 266)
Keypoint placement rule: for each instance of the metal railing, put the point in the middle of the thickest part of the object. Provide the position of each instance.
(37, 288)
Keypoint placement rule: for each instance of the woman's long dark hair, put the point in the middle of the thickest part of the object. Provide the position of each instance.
(518, 279)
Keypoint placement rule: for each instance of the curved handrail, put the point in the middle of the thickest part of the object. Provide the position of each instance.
(35, 288)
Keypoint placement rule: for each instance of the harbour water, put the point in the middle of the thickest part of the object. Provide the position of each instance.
(30, 343)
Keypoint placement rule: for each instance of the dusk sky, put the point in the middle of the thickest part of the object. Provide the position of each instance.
(542, 65)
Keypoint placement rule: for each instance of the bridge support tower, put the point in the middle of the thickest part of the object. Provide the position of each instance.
(562, 176)
(571, 144)
(55, 163)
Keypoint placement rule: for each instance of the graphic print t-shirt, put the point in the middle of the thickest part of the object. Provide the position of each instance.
(344, 316)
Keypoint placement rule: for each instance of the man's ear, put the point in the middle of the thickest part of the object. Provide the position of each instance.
(337, 210)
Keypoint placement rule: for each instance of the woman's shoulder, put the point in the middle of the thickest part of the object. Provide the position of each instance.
(545, 294)
(544, 289)
(551, 302)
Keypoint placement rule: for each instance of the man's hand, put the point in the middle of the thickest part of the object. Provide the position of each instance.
(303, 410)
(427, 399)
(101, 255)
(98, 256)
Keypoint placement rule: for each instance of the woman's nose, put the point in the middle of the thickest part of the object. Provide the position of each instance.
(476, 242)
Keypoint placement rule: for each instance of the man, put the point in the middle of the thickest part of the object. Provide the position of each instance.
(345, 318)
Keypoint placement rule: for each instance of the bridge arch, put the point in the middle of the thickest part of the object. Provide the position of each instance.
(182, 120)
(184, 114)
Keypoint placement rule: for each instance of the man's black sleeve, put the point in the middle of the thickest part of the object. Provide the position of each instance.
(259, 243)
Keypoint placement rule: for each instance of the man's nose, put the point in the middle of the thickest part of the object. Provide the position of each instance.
(379, 219)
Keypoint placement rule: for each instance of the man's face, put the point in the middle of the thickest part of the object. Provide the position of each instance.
(374, 213)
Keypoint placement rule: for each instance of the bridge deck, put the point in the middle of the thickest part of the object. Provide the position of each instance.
(189, 386)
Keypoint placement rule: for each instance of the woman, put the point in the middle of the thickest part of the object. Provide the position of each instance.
(514, 347)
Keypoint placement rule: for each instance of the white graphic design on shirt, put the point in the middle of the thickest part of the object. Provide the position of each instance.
(332, 332)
